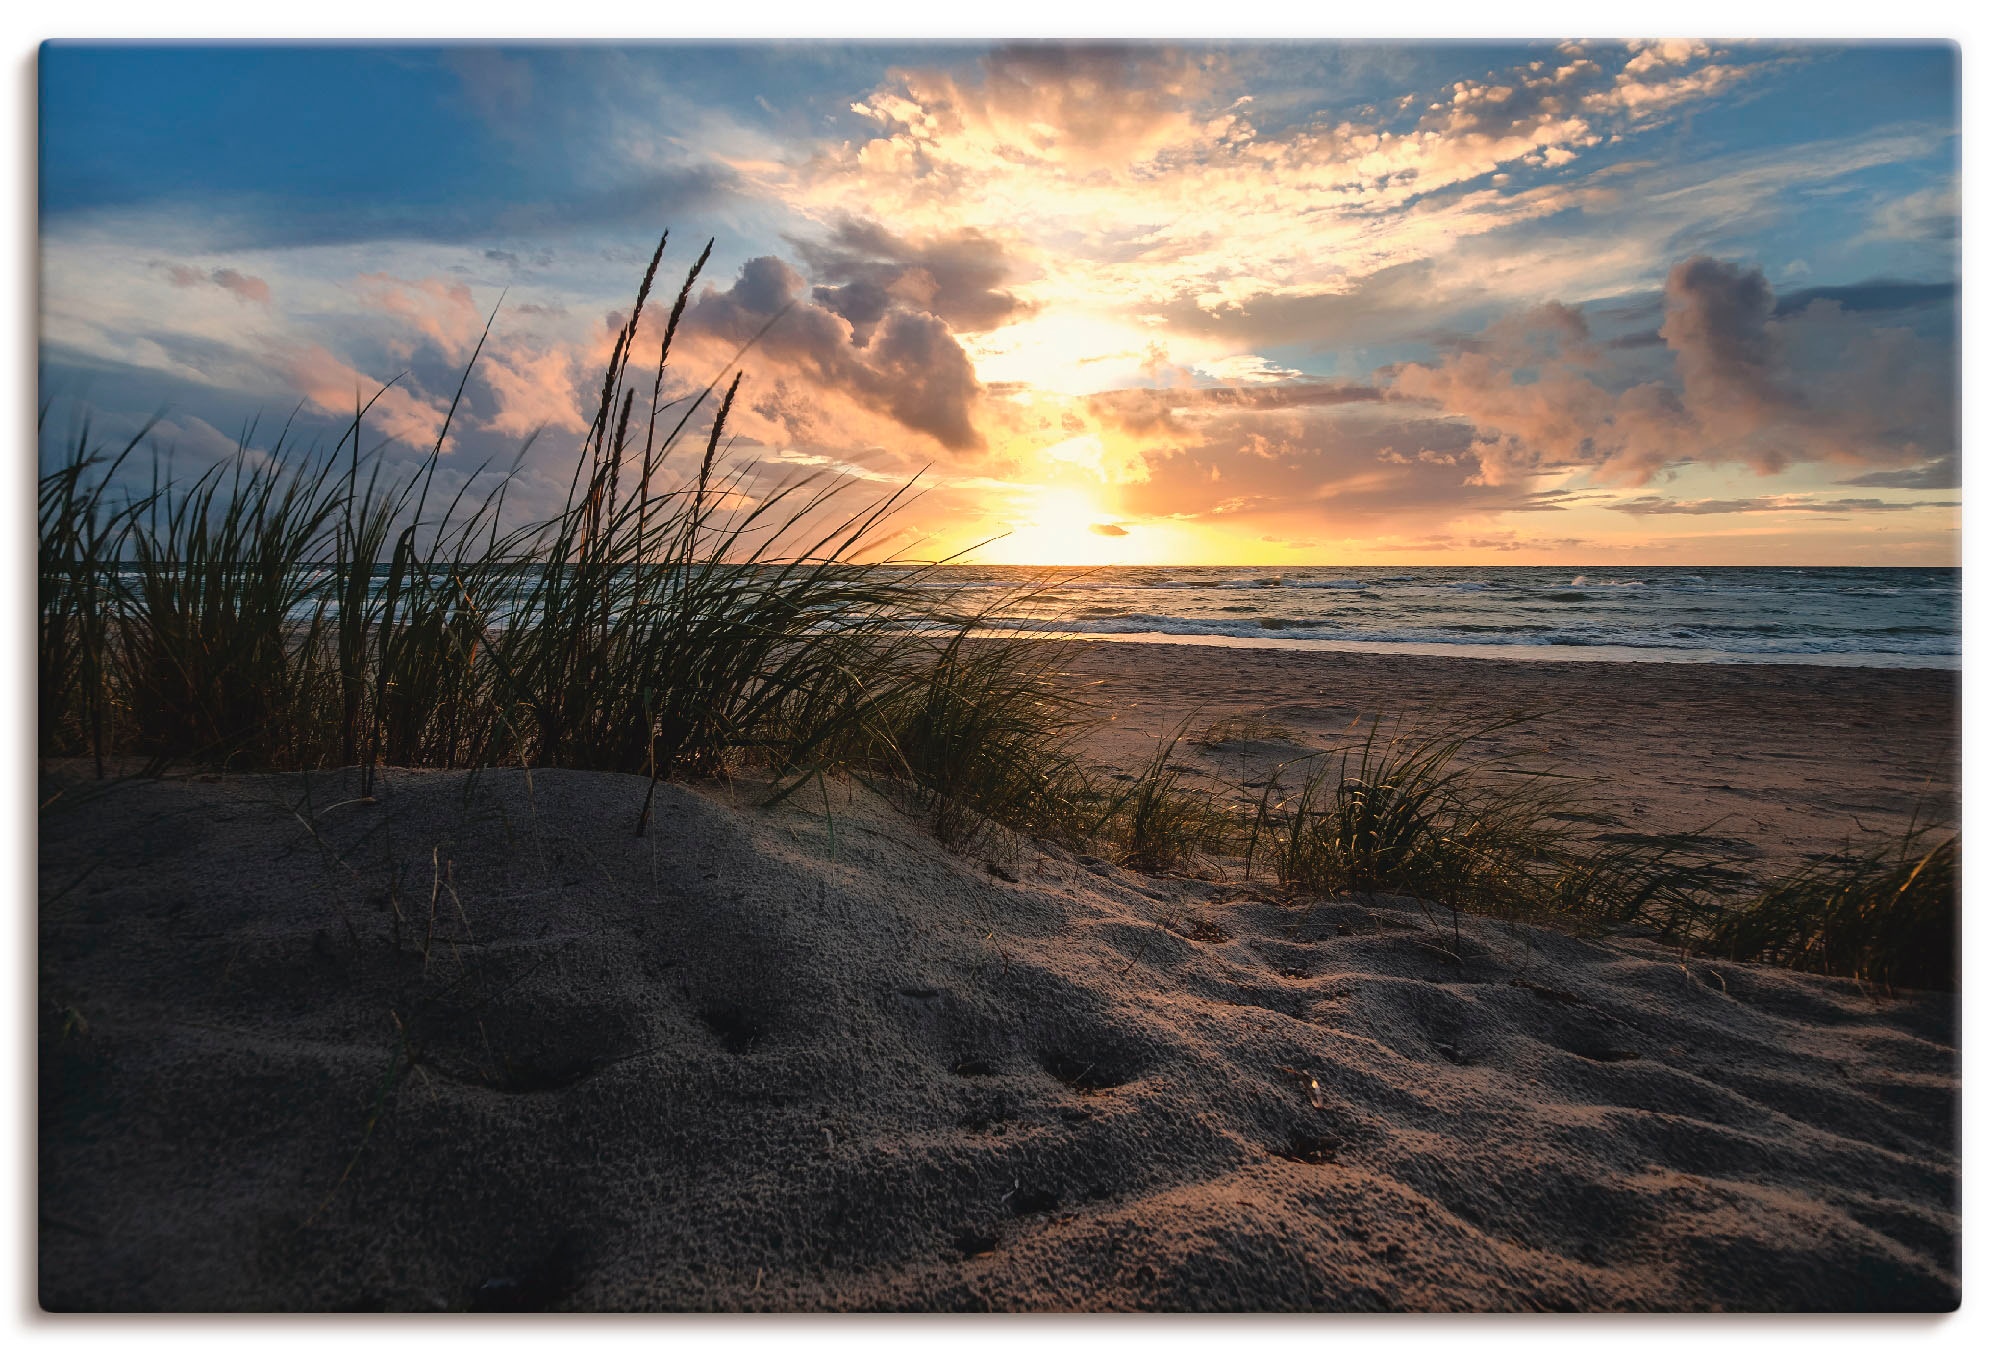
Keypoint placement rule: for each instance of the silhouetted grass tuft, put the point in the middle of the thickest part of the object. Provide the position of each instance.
(1159, 823)
(289, 609)
(1407, 814)
(1888, 917)
(980, 730)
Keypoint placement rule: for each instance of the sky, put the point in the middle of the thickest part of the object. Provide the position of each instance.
(1365, 303)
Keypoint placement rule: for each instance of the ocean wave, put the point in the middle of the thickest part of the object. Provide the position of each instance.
(1743, 640)
(1876, 616)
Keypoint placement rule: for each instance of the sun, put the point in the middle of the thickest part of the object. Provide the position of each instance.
(1062, 527)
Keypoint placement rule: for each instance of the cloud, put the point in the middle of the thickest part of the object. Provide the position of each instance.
(333, 386)
(1248, 368)
(1710, 506)
(1503, 542)
(1943, 472)
(254, 290)
(1509, 542)
(1720, 325)
(909, 369)
(1870, 296)
(1153, 188)
(1929, 215)
(1332, 468)
(440, 310)
(1660, 77)
(1141, 250)
(1112, 530)
(866, 271)
(1745, 386)
(1142, 411)
(1083, 106)
(534, 388)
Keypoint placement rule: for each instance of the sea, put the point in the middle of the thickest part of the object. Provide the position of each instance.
(1885, 617)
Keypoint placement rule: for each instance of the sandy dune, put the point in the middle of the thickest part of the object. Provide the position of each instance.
(806, 1059)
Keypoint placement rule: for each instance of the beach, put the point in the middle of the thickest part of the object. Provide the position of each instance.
(1775, 762)
(476, 1044)
(1197, 676)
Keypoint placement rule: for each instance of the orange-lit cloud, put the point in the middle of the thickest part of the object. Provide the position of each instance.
(1738, 398)
(442, 311)
(334, 387)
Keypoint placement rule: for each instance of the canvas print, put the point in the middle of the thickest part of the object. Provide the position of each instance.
(1007, 676)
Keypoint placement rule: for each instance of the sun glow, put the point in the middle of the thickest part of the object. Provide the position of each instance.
(1065, 527)
(1066, 349)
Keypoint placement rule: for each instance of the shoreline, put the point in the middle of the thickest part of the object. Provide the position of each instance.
(1532, 652)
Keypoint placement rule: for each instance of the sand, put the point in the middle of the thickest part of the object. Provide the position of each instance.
(1776, 763)
(806, 1059)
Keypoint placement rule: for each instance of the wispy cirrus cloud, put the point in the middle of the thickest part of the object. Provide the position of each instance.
(1710, 506)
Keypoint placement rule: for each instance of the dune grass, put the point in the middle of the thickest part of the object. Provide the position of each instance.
(981, 732)
(1408, 814)
(1163, 821)
(1887, 917)
(292, 609)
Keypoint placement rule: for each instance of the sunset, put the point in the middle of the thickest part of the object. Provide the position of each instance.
(1009, 677)
(1642, 303)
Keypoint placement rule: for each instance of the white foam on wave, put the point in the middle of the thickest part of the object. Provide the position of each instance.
(1737, 642)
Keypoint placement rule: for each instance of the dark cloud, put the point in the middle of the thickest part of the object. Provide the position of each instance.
(1714, 506)
(1870, 296)
(910, 368)
(516, 262)
(1943, 472)
(867, 271)
(1721, 326)
(1112, 530)
(1140, 411)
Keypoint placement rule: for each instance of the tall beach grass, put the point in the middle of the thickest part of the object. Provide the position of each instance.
(292, 609)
